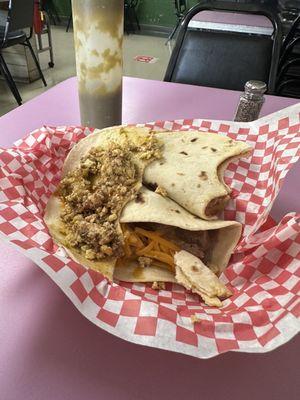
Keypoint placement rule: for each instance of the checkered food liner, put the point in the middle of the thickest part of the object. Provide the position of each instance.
(264, 310)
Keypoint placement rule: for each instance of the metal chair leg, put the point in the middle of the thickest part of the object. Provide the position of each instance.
(10, 85)
(39, 38)
(129, 26)
(131, 19)
(51, 62)
(28, 44)
(136, 18)
(69, 23)
(9, 80)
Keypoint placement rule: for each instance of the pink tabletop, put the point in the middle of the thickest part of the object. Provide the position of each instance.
(48, 350)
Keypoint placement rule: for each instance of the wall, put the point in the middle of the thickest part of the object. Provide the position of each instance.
(63, 7)
(156, 12)
(159, 12)
(150, 12)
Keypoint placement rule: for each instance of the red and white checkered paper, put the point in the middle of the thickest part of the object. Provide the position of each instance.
(264, 310)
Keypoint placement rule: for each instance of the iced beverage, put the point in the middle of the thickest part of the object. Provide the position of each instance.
(98, 34)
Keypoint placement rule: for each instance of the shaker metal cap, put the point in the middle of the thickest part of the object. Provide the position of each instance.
(255, 87)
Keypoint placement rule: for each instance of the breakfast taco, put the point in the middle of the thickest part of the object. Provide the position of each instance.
(162, 241)
(190, 170)
(109, 221)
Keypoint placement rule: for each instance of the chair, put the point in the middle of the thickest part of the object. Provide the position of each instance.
(41, 26)
(289, 10)
(225, 59)
(289, 87)
(70, 19)
(289, 63)
(290, 44)
(20, 16)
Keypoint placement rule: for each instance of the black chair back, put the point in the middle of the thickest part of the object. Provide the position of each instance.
(289, 88)
(292, 32)
(291, 40)
(20, 15)
(225, 59)
(288, 78)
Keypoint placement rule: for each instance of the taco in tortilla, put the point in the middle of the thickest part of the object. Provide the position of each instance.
(83, 214)
(108, 221)
(190, 170)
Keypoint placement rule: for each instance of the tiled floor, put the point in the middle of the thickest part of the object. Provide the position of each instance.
(65, 64)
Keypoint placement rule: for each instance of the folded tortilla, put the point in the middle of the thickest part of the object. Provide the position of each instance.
(102, 138)
(191, 170)
(54, 208)
(188, 231)
(190, 271)
(156, 209)
(159, 212)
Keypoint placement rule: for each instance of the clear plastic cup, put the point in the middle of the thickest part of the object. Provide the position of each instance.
(98, 35)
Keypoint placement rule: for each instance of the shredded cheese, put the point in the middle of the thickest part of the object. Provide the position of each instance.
(141, 242)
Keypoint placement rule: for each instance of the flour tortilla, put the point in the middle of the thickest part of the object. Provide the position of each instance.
(155, 208)
(192, 168)
(101, 138)
(190, 271)
(54, 206)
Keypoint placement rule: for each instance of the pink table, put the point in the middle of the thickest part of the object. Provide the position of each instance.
(49, 351)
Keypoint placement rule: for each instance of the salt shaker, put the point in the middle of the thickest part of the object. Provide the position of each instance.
(251, 101)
